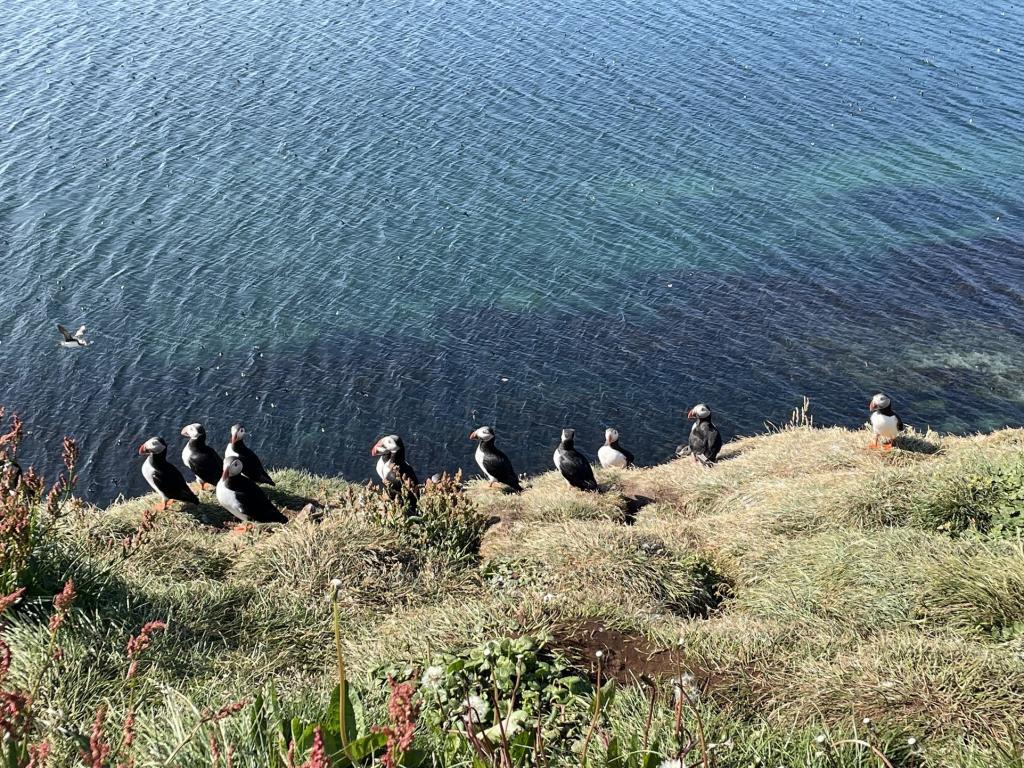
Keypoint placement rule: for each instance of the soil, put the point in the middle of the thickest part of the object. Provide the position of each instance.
(626, 657)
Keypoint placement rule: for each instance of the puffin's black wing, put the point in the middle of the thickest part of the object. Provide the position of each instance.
(172, 483)
(500, 468)
(696, 441)
(577, 470)
(252, 467)
(899, 422)
(254, 501)
(206, 464)
(629, 456)
(68, 335)
(713, 441)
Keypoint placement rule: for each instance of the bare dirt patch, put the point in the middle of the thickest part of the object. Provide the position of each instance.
(627, 657)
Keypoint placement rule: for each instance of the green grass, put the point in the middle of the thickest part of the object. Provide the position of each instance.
(805, 583)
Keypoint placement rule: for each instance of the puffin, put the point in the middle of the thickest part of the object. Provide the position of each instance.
(611, 454)
(72, 340)
(252, 467)
(574, 466)
(240, 495)
(162, 476)
(705, 440)
(492, 462)
(885, 424)
(10, 474)
(392, 468)
(204, 462)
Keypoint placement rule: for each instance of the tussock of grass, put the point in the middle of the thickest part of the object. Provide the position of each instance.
(805, 581)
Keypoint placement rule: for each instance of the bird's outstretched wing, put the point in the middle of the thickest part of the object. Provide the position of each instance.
(68, 335)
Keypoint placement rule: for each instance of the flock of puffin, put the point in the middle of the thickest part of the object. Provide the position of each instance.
(238, 476)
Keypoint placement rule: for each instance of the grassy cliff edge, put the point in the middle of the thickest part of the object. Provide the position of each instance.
(807, 593)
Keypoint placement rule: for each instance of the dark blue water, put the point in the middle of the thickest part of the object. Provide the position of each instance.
(332, 221)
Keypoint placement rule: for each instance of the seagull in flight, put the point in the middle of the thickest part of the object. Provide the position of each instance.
(72, 340)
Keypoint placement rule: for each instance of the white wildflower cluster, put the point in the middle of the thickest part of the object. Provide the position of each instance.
(432, 678)
(479, 707)
(671, 764)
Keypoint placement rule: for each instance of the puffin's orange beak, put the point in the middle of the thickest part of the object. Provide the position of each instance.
(689, 414)
(142, 449)
(871, 405)
(472, 435)
(224, 475)
(376, 447)
(183, 431)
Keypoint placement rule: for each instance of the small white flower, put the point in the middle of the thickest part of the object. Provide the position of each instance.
(479, 707)
(549, 598)
(911, 741)
(432, 677)
(671, 764)
(820, 738)
(866, 721)
(599, 654)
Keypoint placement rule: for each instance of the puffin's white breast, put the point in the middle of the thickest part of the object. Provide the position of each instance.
(479, 456)
(230, 451)
(148, 471)
(186, 455)
(382, 469)
(884, 426)
(227, 499)
(609, 457)
(558, 460)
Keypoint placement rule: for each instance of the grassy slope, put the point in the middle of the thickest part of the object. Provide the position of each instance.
(845, 597)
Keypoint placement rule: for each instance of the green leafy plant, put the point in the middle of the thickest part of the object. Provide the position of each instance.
(443, 523)
(511, 697)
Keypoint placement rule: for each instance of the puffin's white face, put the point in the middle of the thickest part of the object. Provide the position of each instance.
(568, 434)
(232, 467)
(153, 445)
(482, 433)
(878, 402)
(611, 435)
(387, 444)
(237, 432)
(193, 431)
(699, 411)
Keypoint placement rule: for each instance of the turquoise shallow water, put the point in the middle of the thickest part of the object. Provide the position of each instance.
(332, 221)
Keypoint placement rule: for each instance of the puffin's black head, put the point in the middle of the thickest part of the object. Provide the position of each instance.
(232, 467)
(699, 412)
(237, 433)
(153, 445)
(193, 431)
(568, 435)
(879, 403)
(482, 434)
(387, 446)
(611, 435)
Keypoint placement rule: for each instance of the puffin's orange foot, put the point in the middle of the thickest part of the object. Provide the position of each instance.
(886, 446)
(873, 446)
(242, 528)
(492, 484)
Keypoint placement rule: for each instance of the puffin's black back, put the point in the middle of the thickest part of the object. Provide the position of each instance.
(254, 501)
(705, 440)
(575, 467)
(499, 465)
(252, 467)
(205, 462)
(169, 480)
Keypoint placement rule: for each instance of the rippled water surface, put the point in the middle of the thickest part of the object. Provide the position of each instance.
(336, 220)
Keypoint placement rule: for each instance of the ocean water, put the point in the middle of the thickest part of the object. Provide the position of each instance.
(332, 221)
